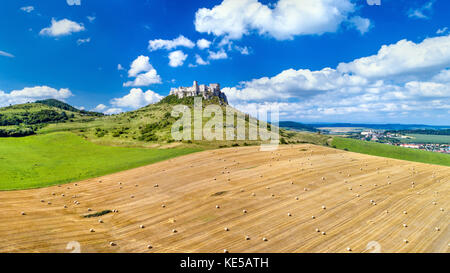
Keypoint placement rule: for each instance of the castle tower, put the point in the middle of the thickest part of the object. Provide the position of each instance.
(195, 87)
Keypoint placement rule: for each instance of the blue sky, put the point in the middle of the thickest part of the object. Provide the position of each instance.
(318, 60)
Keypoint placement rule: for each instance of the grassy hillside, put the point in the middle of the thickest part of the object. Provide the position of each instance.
(43, 160)
(378, 149)
(421, 138)
(151, 125)
(26, 119)
(64, 106)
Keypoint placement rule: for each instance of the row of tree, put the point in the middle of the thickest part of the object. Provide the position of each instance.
(29, 118)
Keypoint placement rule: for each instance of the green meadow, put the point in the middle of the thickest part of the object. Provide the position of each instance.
(422, 138)
(385, 150)
(56, 158)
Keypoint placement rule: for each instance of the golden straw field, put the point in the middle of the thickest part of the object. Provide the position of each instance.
(299, 198)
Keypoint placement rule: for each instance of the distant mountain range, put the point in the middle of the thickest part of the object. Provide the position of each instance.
(312, 127)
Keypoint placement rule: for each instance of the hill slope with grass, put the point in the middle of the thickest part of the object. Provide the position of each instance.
(25, 119)
(151, 125)
(385, 150)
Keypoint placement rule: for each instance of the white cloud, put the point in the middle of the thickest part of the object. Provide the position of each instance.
(221, 54)
(404, 57)
(74, 2)
(99, 108)
(83, 41)
(243, 50)
(91, 18)
(27, 9)
(145, 79)
(137, 99)
(30, 94)
(443, 76)
(442, 30)
(282, 20)
(203, 43)
(6, 54)
(62, 27)
(359, 91)
(113, 111)
(120, 67)
(423, 12)
(140, 64)
(199, 60)
(177, 58)
(361, 24)
(143, 72)
(170, 44)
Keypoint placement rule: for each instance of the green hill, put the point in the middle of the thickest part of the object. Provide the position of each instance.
(25, 119)
(151, 125)
(385, 150)
(64, 106)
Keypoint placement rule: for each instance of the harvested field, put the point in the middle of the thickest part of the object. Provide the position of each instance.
(301, 198)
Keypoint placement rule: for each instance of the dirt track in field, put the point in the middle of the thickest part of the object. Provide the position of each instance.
(361, 203)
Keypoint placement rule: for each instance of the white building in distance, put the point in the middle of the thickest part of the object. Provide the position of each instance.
(206, 91)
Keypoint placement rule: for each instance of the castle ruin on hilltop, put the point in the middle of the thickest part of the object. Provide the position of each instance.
(206, 91)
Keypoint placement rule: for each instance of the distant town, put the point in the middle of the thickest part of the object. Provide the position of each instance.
(421, 137)
(431, 143)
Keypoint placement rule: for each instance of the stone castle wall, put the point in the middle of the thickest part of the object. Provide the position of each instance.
(206, 91)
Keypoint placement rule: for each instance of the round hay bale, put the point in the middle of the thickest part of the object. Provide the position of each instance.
(289, 214)
(405, 225)
(217, 206)
(323, 207)
(142, 226)
(100, 221)
(349, 249)
(225, 251)
(317, 230)
(112, 244)
(89, 209)
(174, 231)
(23, 213)
(324, 233)
(265, 239)
(92, 230)
(163, 205)
(149, 246)
(244, 211)
(247, 237)
(437, 228)
(313, 217)
(226, 229)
